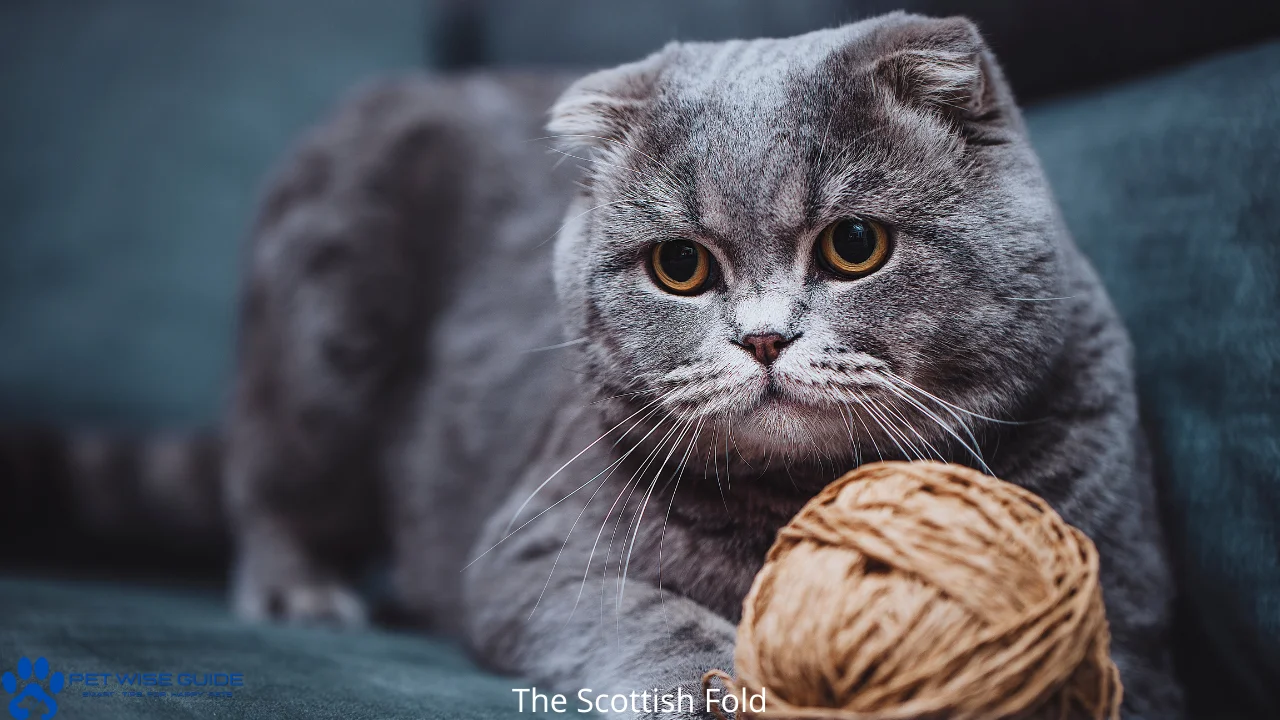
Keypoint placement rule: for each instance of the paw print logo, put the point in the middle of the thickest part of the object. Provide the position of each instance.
(33, 674)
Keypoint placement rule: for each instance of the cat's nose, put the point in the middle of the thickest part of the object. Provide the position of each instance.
(765, 346)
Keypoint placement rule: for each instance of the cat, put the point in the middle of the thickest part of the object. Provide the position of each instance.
(576, 391)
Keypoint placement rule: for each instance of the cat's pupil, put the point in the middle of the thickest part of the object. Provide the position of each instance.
(679, 260)
(854, 241)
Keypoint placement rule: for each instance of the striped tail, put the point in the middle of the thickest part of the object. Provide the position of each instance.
(81, 496)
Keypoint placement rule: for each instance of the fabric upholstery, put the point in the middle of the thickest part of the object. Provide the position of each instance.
(1172, 186)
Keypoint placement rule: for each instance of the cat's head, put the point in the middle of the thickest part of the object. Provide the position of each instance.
(835, 240)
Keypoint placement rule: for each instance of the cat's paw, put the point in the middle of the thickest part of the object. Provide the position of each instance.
(303, 603)
(685, 696)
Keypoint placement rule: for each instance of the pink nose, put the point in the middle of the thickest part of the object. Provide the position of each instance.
(765, 346)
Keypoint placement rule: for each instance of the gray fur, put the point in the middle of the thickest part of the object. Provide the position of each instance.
(583, 477)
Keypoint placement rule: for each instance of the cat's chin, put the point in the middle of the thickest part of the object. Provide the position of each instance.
(782, 425)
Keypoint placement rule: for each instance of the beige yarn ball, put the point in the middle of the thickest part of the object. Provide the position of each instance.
(923, 589)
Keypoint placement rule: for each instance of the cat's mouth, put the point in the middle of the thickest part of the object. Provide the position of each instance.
(775, 397)
(801, 391)
(778, 421)
(785, 396)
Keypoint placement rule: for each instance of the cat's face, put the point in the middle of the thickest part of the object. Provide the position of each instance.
(824, 243)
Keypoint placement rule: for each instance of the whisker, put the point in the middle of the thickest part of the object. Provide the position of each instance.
(973, 450)
(786, 467)
(556, 563)
(667, 518)
(893, 426)
(870, 435)
(629, 490)
(715, 458)
(540, 513)
(957, 418)
(611, 468)
(822, 147)
(728, 438)
(508, 532)
(868, 404)
(875, 416)
(570, 462)
(622, 586)
(848, 428)
(671, 175)
(888, 408)
(565, 224)
(933, 416)
(587, 570)
(912, 386)
(651, 178)
(622, 395)
(557, 346)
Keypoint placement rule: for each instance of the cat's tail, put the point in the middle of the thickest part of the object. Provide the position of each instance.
(161, 492)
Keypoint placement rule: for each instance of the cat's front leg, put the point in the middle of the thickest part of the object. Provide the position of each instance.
(642, 660)
(556, 602)
(329, 326)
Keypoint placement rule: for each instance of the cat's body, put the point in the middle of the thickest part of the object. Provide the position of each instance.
(617, 492)
(397, 283)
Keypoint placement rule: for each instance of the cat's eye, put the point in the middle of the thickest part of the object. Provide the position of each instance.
(682, 267)
(853, 247)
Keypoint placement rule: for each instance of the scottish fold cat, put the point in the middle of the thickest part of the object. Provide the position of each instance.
(576, 378)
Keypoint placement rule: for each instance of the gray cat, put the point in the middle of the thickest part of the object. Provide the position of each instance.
(580, 429)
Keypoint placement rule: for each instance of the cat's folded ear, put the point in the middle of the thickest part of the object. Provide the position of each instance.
(940, 64)
(600, 108)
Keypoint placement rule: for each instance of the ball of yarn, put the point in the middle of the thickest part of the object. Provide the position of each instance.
(923, 589)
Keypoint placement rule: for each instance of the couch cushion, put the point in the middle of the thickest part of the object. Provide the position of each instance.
(1172, 186)
(92, 628)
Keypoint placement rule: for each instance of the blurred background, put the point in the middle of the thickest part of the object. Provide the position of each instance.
(135, 136)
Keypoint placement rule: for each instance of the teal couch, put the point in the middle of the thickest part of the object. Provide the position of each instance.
(91, 628)
(134, 142)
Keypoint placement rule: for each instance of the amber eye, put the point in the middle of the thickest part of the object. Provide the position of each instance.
(681, 266)
(853, 247)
